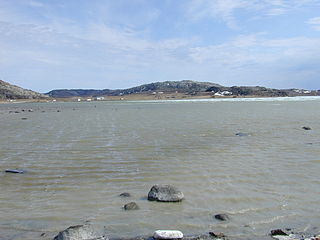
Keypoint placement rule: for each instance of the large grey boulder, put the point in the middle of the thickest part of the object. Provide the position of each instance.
(79, 232)
(165, 193)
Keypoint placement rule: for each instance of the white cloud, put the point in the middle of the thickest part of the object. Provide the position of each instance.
(226, 9)
(223, 9)
(69, 48)
(259, 51)
(315, 23)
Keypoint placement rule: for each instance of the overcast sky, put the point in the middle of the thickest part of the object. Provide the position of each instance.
(52, 44)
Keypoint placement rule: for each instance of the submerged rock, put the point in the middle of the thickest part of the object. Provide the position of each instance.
(14, 171)
(241, 134)
(167, 234)
(221, 217)
(218, 235)
(165, 193)
(278, 232)
(125, 194)
(79, 232)
(131, 206)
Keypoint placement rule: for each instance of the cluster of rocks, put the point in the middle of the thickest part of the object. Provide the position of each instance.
(87, 232)
(289, 234)
(160, 193)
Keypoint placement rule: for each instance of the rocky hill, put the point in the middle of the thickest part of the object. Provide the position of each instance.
(9, 91)
(185, 86)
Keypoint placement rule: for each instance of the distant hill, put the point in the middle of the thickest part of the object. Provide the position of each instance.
(184, 86)
(9, 91)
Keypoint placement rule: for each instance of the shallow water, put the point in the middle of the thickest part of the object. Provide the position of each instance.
(79, 157)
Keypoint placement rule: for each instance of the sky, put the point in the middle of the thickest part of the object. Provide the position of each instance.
(99, 44)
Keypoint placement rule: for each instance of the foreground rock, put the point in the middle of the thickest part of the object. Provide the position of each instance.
(277, 232)
(79, 232)
(192, 237)
(280, 234)
(165, 193)
(218, 235)
(167, 234)
(131, 206)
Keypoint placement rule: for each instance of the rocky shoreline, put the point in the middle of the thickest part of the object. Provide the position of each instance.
(87, 232)
(169, 193)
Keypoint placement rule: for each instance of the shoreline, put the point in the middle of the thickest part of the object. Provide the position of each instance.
(142, 98)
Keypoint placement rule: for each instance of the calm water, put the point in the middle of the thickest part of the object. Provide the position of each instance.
(80, 158)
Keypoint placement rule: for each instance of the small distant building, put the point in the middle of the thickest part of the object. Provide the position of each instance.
(89, 99)
(226, 93)
(100, 98)
(79, 100)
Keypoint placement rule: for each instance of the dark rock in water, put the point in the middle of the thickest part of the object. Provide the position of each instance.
(306, 128)
(24, 118)
(277, 232)
(125, 194)
(217, 235)
(221, 217)
(165, 193)
(191, 237)
(30, 110)
(199, 237)
(14, 171)
(16, 112)
(131, 206)
(79, 232)
(240, 134)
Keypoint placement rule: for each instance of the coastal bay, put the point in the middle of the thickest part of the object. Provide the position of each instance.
(78, 158)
